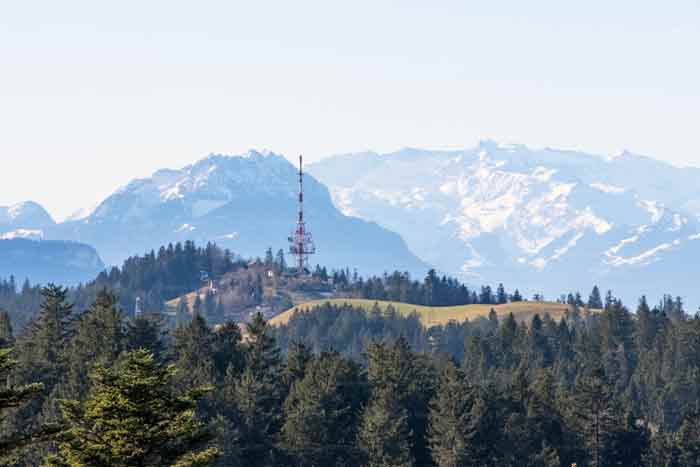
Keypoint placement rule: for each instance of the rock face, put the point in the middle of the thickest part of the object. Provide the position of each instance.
(246, 203)
(46, 261)
(548, 220)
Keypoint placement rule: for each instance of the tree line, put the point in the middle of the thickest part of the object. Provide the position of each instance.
(341, 387)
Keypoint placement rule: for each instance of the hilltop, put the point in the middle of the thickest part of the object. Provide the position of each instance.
(438, 315)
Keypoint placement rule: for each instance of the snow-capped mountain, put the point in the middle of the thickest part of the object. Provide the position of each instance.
(24, 220)
(245, 203)
(547, 220)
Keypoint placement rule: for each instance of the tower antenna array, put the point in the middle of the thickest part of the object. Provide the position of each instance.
(301, 243)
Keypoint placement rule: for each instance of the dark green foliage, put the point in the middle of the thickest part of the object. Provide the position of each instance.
(41, 352)
(595, 301)
(385, 434)
(451, 438)
(434, 290)
(193, 354)
(133, 418)
(12, 396)
(253, 400)
(155, 278)
(7, 338)
(99, 340)
(402, 385)
(321, 413)
(146, 332)
(604, 387)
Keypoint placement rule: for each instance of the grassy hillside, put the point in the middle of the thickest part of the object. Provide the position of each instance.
(435, 316)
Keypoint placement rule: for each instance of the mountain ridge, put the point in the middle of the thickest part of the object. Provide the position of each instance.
(500, 212)
(242, 202)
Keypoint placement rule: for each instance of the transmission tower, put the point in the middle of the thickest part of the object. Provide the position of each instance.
(301, 243)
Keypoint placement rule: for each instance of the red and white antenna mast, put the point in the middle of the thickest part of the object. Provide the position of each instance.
(301, 243)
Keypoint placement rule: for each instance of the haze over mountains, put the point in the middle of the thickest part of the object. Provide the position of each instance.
(246, 203)
(546, 221)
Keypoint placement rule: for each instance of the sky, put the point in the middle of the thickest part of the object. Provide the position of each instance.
(94, 94)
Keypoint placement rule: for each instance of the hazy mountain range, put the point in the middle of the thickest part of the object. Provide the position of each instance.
(246, 203)
(545, 220)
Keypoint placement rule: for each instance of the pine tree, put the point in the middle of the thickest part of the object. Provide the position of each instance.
(146, 332)
(12, 396)
(450, 439)
(98, 341)
(517, 297)
(501, 295)
(133, 418)
(256, 397)
(193, 354)
(280, 261)
(593, 414)
(321, 413)
(395, 370)
(7, 339)
(41, 352)
(299, 356)
(688, 440)
(269, 258)
(385, 433)
(44, 338)
(595, 302)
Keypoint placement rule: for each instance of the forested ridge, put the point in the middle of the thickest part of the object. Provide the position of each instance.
(159, 276)
(339, 386)
(155, 277)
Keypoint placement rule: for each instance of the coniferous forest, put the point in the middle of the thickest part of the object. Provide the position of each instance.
(338, 386)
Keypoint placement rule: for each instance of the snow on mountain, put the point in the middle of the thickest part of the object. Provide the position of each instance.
(551, 220)
(82, 213)
(246, 203)
(30, 234)
(27, 215)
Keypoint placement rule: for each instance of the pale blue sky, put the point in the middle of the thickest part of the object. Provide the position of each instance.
(93, 93)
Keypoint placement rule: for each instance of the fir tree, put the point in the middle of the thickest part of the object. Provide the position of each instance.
(146, 332)
(321, 413)
(269, 258)
(594, 415)
(133, 418)
(98, 341)
(299, 356)
(595, 301)
(12, 396)
(256, 396)
(516, 296)
(450, 439)
(385, 433)
(41, 352)
(193, 354)
(501, 295)
(687, 440)
(7, 339)
(280, 261)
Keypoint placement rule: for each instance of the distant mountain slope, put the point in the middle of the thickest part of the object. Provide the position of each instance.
(24, 220)
(245, 203)
(48, 261)
(547, 220)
